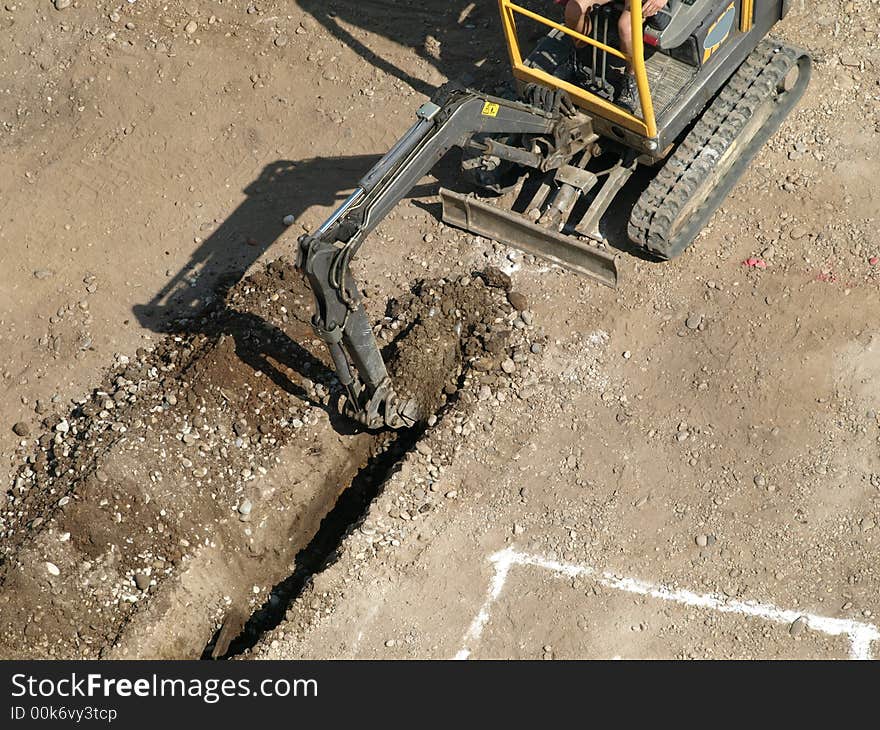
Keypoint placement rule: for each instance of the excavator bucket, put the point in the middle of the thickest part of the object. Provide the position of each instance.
(485, 219)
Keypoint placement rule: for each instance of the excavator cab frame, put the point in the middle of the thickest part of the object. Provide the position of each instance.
(644, 126)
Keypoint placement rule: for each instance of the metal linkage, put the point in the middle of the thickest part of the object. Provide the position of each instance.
(325, 256)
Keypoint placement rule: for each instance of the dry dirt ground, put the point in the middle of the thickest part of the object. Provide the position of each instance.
(686, 467)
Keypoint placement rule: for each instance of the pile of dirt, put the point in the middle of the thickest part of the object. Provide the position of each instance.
(170, 456)
(208, 401)
(450, 327)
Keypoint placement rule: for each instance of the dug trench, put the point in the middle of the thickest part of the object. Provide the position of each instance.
(179, 505)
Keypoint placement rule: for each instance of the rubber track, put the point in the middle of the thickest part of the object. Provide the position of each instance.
(751, 85)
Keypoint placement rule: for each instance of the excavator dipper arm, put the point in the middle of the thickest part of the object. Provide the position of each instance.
(452, 119)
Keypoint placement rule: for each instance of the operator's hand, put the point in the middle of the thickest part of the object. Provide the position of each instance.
(549, 100)
(652, 7)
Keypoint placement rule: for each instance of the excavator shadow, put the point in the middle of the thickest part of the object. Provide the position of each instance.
(444, 33)
(222, 259)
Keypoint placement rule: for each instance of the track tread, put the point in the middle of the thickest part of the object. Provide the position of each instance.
(692, 162)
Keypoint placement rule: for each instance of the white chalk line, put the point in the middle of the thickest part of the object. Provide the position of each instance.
(861, 635)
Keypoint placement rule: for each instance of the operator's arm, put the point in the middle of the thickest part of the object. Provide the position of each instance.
(652, 7)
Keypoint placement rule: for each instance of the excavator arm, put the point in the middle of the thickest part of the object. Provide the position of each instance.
(325, 256)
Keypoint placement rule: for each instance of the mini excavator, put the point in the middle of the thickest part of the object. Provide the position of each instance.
(549, 164)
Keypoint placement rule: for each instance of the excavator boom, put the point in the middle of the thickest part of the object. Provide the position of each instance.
(454, 118)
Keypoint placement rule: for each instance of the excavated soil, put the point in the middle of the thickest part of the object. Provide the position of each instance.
(446, 323)
(711, 425)
(170, 455)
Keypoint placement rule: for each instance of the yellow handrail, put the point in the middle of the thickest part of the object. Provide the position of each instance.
(646, 126)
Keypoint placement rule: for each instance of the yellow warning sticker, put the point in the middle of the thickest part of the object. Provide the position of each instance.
(490, 109)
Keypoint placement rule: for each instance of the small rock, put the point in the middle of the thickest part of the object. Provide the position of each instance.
(485, 364)
(21, 429)
(289, 220)
(42, 274)
(517, 301)
(245, 507)
(62, 4)
(53, 569)
(760, 480)
(508, 366)
(496, 278)
(432, 47)
(142, 581)
(537, 348)
(701, 540)
(190, 27)
(281, 41)
(693, 321)
(797, 626)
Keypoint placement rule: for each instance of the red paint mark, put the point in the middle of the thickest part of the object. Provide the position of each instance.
(755, 263)
(874, 260)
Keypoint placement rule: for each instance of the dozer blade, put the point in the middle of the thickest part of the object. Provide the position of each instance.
(485, 219)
